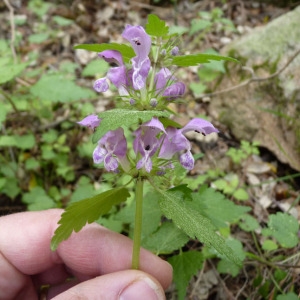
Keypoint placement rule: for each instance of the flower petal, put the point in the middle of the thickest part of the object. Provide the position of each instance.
(117, 76)
(187, 160)
(139, 39)
(199, 125)
(101, 85)
(175, 90)
(91, 121)
(111, 56)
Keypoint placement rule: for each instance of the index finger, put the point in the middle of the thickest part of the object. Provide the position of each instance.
(25, 243)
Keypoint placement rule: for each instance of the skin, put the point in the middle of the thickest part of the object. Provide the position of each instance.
(99, 259)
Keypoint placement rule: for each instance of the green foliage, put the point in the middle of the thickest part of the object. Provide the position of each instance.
(37, 199)
(185, 265)
(230, 186)
(196, 59)
(217, 208)
(156, 26)
(284, 228)
(166, 239)
(86, 211)
(246, 149)
(115, 118)
(225, 266)
(181, 212)
(288, 296)
(65, 90)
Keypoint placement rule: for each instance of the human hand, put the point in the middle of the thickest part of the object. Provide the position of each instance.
(98, 258)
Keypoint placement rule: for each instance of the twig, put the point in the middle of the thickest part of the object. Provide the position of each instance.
(252, 79)
(12, 27)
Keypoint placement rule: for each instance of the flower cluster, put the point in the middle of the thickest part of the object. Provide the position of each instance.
(142, 85)
(132, 82)
(152, 142)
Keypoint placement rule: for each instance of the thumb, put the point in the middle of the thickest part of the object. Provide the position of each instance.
(123, 285)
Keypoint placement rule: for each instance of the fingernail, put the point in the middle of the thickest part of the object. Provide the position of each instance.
(144, 288)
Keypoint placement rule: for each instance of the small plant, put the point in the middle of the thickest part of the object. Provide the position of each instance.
(246, 149)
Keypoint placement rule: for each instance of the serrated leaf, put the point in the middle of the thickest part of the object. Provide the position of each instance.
(217, 208)
(226, 266)
(126, 51)
(86, 211)
(166, 239)
(174, 206)
(115, 118)
(196, 59)
(284, 228)
(185, 265)
(156, 26)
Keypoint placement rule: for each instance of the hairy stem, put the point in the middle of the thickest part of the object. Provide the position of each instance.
(137, 224)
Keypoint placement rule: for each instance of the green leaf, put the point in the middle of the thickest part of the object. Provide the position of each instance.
(284, 228)
(217, 208)
(226, 266)
(288, 296)
(185, 265)
(241, 194)
(10, 70)
(7, 141)
(86, 211)
(37, 199)
(156, 26)
(269, 245)
(38, 38)
(62, 21)
(167, 239)
(126, 51)
(11, 188)
(115, 118)
(26, 141)
(196, 59)
(56, 88)
(183, 214)
(248, 223)
(94, 67)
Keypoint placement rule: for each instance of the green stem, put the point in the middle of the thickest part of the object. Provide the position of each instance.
(137, 224)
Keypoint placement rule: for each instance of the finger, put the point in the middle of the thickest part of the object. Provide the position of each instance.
(130, 284)
(25, 243)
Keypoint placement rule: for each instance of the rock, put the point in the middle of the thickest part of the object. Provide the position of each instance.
(266, 111)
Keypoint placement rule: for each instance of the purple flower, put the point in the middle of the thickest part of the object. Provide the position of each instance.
(147, 143)
(175, 51)
(174, 91)
(166, 85)
(174, 141)
(117, 75)
(111, 149)
(91, 121)
(141, 44)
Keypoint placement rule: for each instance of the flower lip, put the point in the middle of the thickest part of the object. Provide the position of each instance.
(111, 56)
(199, 125)
(139, 39)
(91, 121)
